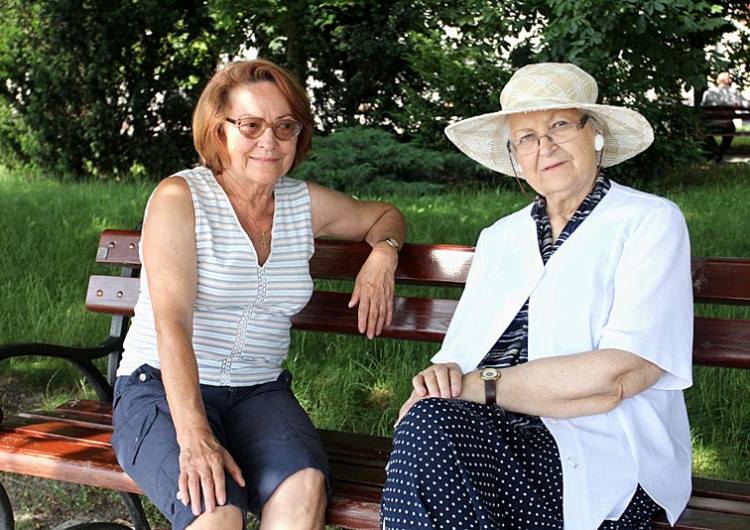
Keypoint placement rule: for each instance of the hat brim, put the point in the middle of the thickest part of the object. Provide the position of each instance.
(483, 138)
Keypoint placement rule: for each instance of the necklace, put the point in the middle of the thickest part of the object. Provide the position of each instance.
(263, 239)
(263, 236)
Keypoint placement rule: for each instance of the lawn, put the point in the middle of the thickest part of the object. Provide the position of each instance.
(49, 233)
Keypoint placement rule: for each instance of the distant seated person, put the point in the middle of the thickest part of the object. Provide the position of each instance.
(722, 95)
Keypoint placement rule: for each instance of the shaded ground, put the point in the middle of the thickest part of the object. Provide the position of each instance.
(41, 504)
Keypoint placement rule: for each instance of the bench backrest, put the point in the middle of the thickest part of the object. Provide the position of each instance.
(718, 341)
(726, 112)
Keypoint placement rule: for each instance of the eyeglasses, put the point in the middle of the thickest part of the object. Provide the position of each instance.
(253, 128)
(559, 133)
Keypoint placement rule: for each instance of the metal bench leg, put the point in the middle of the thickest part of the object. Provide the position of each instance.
(137, 516)
(135, 508)
(7, 522)
(99, 526)
(131, 500)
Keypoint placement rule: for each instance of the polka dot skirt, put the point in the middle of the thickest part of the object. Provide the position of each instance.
(457, 464)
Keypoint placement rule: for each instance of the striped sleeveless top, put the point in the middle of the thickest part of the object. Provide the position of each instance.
(243, 310)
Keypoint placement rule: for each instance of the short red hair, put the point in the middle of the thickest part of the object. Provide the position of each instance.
(210, 116)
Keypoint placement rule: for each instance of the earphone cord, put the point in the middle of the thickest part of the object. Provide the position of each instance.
(513, 166)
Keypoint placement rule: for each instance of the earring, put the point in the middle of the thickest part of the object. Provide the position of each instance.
(598, 142)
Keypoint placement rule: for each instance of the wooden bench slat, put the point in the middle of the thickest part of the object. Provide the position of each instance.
(424, 319)
(723, 489)
(364, 445)
(715, 279)
(96, 466)
(718, 342)
(63, 460)
(58, 430)
(87, 408)
(712, 504)
(694, 519)
(435, 265)
(725, 112)
(119, 248)
(355, 514)
(354, 505)
(721, 342)
(721, 280)
(114, 295)
(357, 473)
(419, 264)
(79, 421)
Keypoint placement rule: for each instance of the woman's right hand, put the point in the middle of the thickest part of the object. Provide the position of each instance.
(439, 380)
(202, 463)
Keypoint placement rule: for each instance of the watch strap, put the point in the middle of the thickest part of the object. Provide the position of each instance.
(490, 392)
(392, 242)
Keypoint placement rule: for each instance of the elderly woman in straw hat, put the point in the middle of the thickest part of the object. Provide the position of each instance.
(556, 398)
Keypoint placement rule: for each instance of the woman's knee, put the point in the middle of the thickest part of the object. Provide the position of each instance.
(309, 482)
(428, 413)
(302, 494)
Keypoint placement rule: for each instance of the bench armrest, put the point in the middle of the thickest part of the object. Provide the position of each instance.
(81, 358)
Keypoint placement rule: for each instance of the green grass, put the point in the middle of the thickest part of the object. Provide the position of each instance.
(49, 233)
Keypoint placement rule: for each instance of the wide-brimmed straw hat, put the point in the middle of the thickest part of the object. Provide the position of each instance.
(548, 86)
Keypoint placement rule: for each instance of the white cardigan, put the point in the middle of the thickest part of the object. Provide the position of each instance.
(622, 280)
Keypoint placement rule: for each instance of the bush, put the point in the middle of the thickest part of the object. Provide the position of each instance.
(368, 161)
(677, 144)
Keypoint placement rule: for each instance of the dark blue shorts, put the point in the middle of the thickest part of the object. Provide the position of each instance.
(263, 427)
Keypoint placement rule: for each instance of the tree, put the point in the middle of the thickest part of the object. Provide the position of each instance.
(101, 88)
(644, 55)
(414, 66)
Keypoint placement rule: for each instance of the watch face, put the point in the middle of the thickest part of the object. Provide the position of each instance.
(489, 373)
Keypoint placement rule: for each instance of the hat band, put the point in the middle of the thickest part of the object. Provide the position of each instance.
(535, 104)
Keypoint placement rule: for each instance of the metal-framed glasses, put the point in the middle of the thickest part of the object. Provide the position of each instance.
(253, 128)
(559, 133)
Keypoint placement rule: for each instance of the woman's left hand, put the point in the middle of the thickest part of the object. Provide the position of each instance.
(373, 290)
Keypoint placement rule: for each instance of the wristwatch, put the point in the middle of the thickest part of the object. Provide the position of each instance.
(392, 242)
(490, 377)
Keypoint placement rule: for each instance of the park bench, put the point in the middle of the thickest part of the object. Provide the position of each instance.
(71, 443)
(725, 113)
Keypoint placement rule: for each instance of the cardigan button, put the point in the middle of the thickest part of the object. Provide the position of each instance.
(572, 462)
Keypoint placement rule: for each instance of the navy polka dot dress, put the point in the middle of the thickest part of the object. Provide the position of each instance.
(457, 464)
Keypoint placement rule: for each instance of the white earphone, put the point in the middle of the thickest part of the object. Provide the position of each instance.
(598, 142)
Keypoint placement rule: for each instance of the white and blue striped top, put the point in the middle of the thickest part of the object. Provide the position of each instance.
(242, 310)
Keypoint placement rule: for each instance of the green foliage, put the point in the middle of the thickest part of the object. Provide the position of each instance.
(363, 160)
(643, 55)
(108, 88)
(677, 135)
(98, 88)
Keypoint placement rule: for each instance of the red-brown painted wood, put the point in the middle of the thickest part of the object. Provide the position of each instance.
(726, 112)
